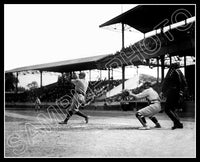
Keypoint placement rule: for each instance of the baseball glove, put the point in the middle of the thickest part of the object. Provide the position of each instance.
(125, 93)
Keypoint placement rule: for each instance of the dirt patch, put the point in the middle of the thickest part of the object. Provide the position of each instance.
(110, 136)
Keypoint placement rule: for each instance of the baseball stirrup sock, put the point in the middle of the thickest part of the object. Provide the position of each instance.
(81, 114)
(153, 119)
(172, 116)
(141, 119)
(69, 114)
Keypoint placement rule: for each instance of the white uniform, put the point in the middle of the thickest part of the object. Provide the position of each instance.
(37, 104)
(153, 98)
(81, 86)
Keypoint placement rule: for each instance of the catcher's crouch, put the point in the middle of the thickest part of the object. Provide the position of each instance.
(81, 86)
(153, 108)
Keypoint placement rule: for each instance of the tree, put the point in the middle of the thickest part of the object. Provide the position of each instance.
(10, 81)
(32, 85)
(21, 89)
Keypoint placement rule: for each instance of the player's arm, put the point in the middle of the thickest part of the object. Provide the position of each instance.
(132, 94)
(74, 78)
(138, 96)
(74, 81)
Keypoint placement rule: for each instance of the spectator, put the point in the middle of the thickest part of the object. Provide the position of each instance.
(37, 104)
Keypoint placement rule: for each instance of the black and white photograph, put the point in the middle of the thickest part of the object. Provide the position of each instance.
(99, 80)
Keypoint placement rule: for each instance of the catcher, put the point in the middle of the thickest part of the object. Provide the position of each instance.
(81, 86)
(153, 108)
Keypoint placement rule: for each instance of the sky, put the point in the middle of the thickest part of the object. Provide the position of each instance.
(44, 33)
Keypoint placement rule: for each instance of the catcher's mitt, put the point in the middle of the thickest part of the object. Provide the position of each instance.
(125, 93)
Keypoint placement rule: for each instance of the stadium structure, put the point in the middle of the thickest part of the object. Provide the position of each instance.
(168, 36)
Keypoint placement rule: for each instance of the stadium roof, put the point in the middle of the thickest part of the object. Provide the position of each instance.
(79, 64)
(145, 18)
(174, 42)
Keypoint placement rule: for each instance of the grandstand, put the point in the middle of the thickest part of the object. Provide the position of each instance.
(143, 52)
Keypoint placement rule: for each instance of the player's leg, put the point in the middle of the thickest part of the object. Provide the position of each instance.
(70, 112)
(80, 101)
(173, 116)
(155, 121)
(82, 115)
(177, 123)
(88, 101)
(142, 119)
(171, 103)
(68, 116)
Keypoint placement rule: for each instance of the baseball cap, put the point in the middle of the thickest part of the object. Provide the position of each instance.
(175, 65)
(82, 74)
(147, 83)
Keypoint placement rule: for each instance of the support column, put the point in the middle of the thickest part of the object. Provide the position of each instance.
(40, 79)
(123, 77)
(100, 75)
(162, 59)
(185, 63)
(162, 67)
(112, 74)
(16, 82)
(123, 66)
(137, 71)
(90, 75)
(109, 78)
(170, 60)
(157, 70)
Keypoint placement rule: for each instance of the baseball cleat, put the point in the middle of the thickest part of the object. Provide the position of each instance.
(157, 125)
(177, 126)
(62, 122)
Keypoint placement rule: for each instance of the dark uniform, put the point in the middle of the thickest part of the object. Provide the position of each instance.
(173, 89)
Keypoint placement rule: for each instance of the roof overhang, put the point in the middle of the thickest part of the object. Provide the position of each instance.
(86, 63)
(146, 18)
(174, 42)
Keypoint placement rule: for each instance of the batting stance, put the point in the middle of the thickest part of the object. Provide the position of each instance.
(153, 108)
(81, 86)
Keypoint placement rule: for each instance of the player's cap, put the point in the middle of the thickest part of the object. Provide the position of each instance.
(147, 84)
(82, 74)
(175, 65)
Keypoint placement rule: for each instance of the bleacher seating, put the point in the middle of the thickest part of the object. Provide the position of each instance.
(53, 92)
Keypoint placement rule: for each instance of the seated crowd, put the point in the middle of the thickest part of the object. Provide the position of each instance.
(63, 87)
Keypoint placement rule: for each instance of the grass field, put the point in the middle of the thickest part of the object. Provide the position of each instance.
(108, 134)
